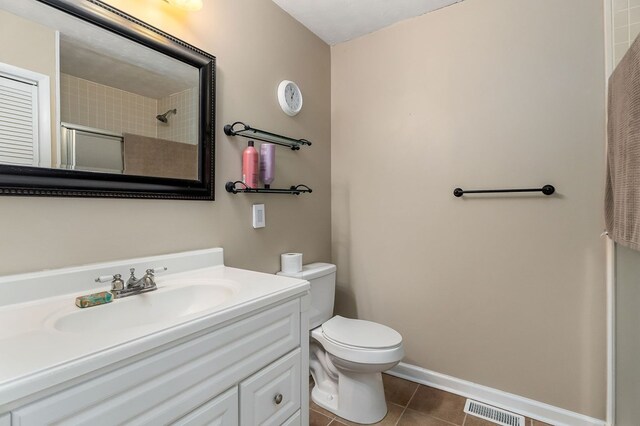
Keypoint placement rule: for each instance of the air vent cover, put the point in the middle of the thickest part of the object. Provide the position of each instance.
(493, 414)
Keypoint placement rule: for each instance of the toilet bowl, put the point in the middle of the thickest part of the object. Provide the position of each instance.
(347, 356)
(347, 359)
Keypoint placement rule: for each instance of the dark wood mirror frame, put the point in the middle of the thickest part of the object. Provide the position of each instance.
(34, 181)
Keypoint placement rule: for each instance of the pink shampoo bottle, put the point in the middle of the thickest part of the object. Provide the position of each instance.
(250, 170)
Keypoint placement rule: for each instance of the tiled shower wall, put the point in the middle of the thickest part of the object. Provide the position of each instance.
(182, 127)
(91, 104)
(626, 26)
(95, 105)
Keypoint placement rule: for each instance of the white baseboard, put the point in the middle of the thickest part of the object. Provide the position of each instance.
(508, 401)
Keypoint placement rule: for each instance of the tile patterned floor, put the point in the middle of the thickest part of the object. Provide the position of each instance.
(412, 404)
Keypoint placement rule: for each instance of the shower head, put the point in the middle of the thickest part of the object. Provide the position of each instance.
(163, 117)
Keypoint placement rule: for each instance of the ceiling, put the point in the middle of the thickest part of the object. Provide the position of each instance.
(336, 21)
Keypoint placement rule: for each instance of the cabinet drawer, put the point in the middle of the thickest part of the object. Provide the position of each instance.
(272, 395)
(221, 411)
(168, 385)
(295, 420)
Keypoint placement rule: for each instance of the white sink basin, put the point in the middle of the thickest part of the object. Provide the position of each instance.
(171, 302)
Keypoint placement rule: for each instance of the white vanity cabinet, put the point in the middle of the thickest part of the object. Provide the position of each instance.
(221, 411)
(213, 345)
(246, 372)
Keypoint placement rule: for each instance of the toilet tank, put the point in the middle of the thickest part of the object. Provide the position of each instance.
(322, 277)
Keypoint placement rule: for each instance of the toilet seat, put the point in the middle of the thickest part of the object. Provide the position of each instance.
(360, 334)
(384, 348)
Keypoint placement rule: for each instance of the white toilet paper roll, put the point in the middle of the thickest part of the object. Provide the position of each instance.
(291, 262)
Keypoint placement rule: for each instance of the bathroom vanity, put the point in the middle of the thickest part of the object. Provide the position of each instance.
(213, 345)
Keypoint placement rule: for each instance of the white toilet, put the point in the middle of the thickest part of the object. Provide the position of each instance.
(347, 356)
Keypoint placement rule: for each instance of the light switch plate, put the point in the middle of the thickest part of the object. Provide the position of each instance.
(259, 219)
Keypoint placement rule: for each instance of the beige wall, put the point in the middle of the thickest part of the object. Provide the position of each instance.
(507, 292)
(257, 46)
(31, 46)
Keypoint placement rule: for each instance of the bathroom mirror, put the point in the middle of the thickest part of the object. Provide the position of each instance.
(95, 103)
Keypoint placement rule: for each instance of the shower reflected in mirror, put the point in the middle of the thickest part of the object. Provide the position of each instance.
(164, 117)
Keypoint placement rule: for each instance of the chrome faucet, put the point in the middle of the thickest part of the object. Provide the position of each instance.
(134, 285)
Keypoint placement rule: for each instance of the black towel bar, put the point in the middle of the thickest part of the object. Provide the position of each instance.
(546, 190)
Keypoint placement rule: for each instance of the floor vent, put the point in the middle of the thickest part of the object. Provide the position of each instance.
(493, 414)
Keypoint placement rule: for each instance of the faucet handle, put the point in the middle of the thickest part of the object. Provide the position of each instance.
(148, 278)
(116, 281)
(106, 278)
(156, 270)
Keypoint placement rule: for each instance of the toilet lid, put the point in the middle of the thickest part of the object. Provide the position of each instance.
(359, 333)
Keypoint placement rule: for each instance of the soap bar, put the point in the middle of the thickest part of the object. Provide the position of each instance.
(94, 299)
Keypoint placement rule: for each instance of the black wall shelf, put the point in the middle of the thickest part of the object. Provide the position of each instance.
(244, 130)
(233, 188)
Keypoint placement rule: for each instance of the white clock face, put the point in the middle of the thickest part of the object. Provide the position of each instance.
(290, 97)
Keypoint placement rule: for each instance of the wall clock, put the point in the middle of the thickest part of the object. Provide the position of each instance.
(289, 97)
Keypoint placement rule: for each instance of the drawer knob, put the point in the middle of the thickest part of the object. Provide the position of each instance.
(278, 399)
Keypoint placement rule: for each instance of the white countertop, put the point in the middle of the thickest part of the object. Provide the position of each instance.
(35, 355)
